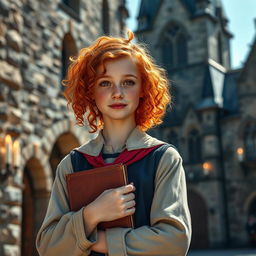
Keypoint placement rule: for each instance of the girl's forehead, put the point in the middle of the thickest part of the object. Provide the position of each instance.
(122, 64)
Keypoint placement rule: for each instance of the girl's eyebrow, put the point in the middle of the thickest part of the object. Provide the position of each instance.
(126, 75)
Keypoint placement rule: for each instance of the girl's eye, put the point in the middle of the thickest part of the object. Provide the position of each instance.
(128, 83)
(105, 83)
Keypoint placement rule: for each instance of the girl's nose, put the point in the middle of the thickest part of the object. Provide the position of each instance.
(117, 92)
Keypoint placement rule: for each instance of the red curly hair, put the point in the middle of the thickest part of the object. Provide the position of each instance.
(81, 78)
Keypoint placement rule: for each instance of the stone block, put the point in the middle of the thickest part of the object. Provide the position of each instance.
(13, 58)
(33, 99)
(11, 250)
(16, 20)
(27, 127)
(4, 8)
(38, 78)
(10, 75)
(12, 195)
(15, 215)
(39, 130)
(15, 116)
(4, 212)
(4, 111)
(3, 53)
(14, 40)
(47, 61)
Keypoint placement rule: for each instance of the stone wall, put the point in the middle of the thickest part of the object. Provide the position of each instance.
(32, 107)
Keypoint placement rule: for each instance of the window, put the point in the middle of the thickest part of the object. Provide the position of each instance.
(181, 50)
(194, 147)
(173, 139)
(68, 49)
(167, 54)
(73, 4)
(250, 141)
(105, 17)
(174, 47)
(71, 7)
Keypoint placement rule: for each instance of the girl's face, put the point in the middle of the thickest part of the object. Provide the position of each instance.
(118, 90)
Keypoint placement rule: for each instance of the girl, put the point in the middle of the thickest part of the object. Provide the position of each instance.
(122, 93)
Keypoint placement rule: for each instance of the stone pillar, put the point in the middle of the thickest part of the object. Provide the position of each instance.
(212, 155)
(10, 216)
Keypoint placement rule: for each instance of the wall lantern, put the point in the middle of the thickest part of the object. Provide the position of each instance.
(9, 157)
(240, 154)
(207, 167)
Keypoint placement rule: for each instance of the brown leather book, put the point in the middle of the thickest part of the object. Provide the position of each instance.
(86, 186)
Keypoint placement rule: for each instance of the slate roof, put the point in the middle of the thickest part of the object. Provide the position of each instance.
(220, 90)
(230, 92)
(149, 8)
(213, 83)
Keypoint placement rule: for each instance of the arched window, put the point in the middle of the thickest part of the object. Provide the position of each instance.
(68, 49)
(105, 17)
(182, 49)
(73, 4)
(194, 147)
(173, 139)
(174, 47)
(250, 141)
(167, 54)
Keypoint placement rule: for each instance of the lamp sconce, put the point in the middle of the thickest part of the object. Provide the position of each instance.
(9, 157)
(240, 154)
(241, 159)
(207, 167)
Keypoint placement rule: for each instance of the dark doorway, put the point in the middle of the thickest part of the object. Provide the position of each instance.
(199, 216)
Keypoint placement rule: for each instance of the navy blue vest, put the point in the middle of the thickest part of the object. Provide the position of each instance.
(141, 173)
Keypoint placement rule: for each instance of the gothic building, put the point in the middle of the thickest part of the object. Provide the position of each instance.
(36, 40)
(212, 120)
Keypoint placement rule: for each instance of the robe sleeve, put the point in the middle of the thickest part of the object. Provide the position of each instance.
(63, 232)
(170, 229)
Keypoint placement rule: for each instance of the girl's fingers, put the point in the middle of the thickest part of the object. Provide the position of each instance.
(126, 189)
(128, 197)
(129, 211)
(130, 204)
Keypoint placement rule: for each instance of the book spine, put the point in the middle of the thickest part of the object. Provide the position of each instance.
(126, 182)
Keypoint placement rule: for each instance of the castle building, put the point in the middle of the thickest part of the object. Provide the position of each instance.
(212, 120)
(36, 40)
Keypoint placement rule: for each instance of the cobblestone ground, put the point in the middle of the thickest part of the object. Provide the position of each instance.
(235, 252)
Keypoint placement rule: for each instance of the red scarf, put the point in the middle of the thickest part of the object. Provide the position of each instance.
(125, 157)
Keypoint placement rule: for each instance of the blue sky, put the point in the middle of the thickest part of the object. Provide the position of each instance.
(241, 15)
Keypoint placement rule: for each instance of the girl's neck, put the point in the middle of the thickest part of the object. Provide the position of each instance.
(116, 135)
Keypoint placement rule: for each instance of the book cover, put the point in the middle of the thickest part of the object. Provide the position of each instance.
(85, 186)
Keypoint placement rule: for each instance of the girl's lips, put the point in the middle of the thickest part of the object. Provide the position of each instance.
(117, 106)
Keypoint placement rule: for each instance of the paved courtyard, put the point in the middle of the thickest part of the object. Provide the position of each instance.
(233, 252)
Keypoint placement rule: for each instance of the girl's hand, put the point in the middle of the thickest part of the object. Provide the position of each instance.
(115, 203)
(112, 204)
(101, 244)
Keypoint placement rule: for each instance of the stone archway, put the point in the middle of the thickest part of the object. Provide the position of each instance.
(38, 162)
(199, 216)
(34, 204)
(63, 145)
(251, 219)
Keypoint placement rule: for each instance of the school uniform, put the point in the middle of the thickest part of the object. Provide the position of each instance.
(162, 219)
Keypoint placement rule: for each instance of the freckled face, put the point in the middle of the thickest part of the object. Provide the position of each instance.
(117, 91)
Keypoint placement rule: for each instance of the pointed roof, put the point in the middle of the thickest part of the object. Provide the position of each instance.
(212, 86)
(219, 89)
(149, 8)
(230, 92)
